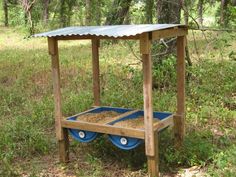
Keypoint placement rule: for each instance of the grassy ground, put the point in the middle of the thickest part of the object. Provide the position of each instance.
(27, 143)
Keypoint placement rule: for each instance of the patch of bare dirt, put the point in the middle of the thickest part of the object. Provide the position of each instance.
(41, 78)
(194, 171)
(48, 166)
(7, 81)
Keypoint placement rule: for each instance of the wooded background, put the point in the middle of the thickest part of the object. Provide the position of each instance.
(38, 14)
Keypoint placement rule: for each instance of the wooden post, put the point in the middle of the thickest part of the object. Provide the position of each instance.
(153, 161)
(151, 142)
(96, 80)
(61, 134)
(179, 128)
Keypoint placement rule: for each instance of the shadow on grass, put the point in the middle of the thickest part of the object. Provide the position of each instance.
(198, 150)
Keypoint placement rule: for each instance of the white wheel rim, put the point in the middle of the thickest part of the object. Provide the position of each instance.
(123, 141)
(81, 134)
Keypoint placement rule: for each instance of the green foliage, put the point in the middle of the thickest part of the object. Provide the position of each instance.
(229, 15)
(137, 12)
(77, 12)
(164, 74)
(16, 16)
(224, 163)
(198, 150)
(232, 16)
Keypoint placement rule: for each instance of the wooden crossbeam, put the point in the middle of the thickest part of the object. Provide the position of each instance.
(168, 121)
(167, 33)
(104, 128)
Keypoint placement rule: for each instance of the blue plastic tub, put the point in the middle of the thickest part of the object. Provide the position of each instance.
(127, 143)
(88, 136)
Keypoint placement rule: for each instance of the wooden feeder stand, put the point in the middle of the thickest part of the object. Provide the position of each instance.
(150, 132)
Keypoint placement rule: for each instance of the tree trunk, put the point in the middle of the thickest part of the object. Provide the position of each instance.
(70, 5)
(186, 19)
(234, 2)
(28, 7)
(200, 12)
(45, 11)
(148, 10)
(186, 11)
(88, 16)
(5, 8)
(223, 13)
(66, 11)
(127, 19)
(63, 13)
(118, 12)
(168, 11)
(98, 14)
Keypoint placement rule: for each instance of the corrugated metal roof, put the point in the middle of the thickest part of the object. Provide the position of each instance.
(110, 31)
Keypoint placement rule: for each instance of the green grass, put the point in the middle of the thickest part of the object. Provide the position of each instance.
(27, 138)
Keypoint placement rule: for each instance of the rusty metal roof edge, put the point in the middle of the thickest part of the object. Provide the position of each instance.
(113, 31)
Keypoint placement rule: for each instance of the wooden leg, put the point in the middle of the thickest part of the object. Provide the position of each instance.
(153, 161)
(61, 133)
(151, 139)
(96, 81)
(64, 147)
(179, 128)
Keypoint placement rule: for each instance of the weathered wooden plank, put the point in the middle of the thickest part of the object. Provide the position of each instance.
(96, 80)
(53, 51)
(164, 123)
(179, 128)
(147, 95)
(145, 43)
(153, 161)
(167, 33)
(64, 147)
(151, 142)
(61, 134)
(102, 128)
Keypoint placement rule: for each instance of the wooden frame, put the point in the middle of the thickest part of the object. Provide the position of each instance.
(150, 133)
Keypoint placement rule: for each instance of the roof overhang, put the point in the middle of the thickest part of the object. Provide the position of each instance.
(155, 31)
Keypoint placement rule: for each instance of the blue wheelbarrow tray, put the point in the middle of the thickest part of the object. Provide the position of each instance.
(128, 143)
(88, 136)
